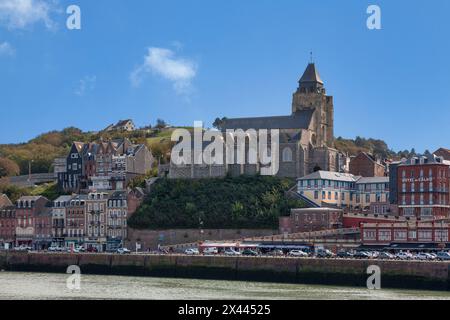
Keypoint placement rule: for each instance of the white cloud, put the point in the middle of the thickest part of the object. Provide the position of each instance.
(19, 14)
(165, 63)
(86, 84)
(6, 49)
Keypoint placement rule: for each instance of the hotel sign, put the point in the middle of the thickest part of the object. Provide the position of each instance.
(417, 180)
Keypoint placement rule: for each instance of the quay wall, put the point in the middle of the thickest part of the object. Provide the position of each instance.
(394, 274)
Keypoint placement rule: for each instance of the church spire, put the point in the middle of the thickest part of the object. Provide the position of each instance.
(310, 80)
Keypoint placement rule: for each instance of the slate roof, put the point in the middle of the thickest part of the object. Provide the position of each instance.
(373, 180)
(328, 175)
(311, 75)
(299, 120)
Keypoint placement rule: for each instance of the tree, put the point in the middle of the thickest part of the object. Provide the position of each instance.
(219, 122)
(8, 168)
(161, 124)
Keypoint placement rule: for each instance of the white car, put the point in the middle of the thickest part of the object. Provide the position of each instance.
(297, 253)
(123, 251)
(53, 249)
(209, 251)
(231, 252)
(424, 256)
(404, 256)
(191, 252)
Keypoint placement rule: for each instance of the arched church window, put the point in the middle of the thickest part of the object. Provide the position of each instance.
(287, 155)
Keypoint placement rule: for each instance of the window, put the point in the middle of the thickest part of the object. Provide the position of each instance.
(425, 235)
(384, 235)
(287, 155)
(369, 235)
(400, 235)
(316, 195)
(441, 236)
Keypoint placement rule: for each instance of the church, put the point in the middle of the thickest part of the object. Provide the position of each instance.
(306, 136)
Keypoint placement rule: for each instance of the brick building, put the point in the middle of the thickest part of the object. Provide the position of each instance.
(444, 153)
(27, 209)
(423, 187)
(7, 226)
(405, 232)
(366, 165)
(311, 219)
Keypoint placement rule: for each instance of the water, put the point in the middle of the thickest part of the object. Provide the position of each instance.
(19, 286)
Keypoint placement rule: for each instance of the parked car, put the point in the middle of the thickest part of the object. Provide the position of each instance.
(209, 251)
(53, 249)
(386, 255)
(123, 251)
(443, 256)
(324, 253)
(423, 256)
(403, 256)
(231, 252)
(80, 249)
(249, 252)
(344, 254)
(23, 248)
(276, 253)
(362, 255)
(192, 251)
(297, 253)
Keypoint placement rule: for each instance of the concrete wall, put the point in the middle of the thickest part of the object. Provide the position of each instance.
(394, 274)
(151, 238)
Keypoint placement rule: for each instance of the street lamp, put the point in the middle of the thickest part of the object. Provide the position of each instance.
(29, 169)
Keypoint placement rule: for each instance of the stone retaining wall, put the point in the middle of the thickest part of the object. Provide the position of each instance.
(395, 274)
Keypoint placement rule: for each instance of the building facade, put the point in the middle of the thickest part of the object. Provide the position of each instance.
(117, 213)
(29, 210)
(43, 229)
(75, 222)
(7, 227)
(59, 220)
(366, 165)
(104, 166)
(405, 232)
(311, 219)
(343, 190)
(423, 187)
(96, 221)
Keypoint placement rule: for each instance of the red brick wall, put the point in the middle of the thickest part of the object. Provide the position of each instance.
(361, 165)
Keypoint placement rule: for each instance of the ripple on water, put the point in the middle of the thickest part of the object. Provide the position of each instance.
(53, 286)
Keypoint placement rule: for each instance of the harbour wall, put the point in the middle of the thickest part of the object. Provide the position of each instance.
(394, 274)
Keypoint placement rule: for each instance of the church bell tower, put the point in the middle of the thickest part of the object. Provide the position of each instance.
(311, 95)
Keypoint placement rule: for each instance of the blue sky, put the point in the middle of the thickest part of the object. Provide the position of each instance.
(200, 59)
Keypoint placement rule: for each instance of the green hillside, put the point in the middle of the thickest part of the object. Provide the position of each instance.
(42, 150)
(243, 202)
